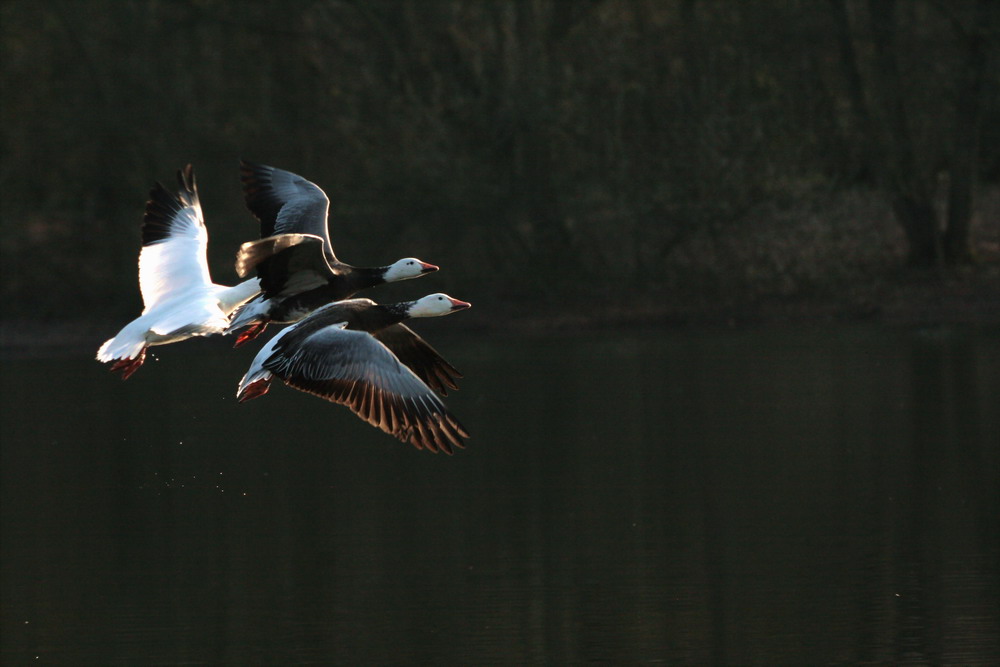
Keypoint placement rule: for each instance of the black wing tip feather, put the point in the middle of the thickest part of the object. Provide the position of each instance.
(252, 166)
(259, 196)
(160, 208)
(188, 189)
(440, 376)
(163, 206)
(254, 175)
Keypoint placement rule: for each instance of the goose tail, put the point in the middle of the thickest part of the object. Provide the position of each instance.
(126, 345)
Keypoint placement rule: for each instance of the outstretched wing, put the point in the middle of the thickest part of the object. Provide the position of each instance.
(286, 263)
(414, 352)
(285, 203)
(174, 243)
(353, 369)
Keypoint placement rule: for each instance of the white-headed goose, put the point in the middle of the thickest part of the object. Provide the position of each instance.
(357, 353)
(179, 296)
(294, 258)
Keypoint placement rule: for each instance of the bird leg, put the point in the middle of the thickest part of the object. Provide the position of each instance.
(129, 366)
(255, 389)
(251, 332)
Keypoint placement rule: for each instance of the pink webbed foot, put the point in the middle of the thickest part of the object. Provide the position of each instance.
(129, 366)
(251, 332)
(255, 389)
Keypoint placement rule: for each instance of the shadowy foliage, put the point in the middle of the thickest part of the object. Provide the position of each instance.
(540, 149)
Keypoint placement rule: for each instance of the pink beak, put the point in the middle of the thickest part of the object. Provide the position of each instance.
(427, 268)
(459, 305)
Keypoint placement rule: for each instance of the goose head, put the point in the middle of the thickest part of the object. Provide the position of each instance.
(435, 305)
(408, 267)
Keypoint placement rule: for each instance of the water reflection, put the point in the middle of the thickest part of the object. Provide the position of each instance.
(766, 496)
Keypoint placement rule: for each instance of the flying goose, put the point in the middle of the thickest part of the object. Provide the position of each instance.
(341, 352)
(294, 258)
(179, 296)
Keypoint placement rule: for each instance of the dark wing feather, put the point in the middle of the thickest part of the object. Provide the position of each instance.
(355, 370)
(285, 203)
(161, 210)
(286, 264)
(414, 352)
(165, 212)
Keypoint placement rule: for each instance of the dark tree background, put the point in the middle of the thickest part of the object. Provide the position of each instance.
(541, 151)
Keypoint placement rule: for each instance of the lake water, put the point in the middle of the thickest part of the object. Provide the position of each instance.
(765, 496)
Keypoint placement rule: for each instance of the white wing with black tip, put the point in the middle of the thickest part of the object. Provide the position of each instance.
(174, 243)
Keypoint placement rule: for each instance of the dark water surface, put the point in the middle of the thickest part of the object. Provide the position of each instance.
(772, 496)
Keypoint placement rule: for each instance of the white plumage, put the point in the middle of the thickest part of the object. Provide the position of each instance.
(180, 300)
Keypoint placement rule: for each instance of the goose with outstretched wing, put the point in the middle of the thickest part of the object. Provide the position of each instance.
(180, 300)
(294, 258)
(340, 353)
